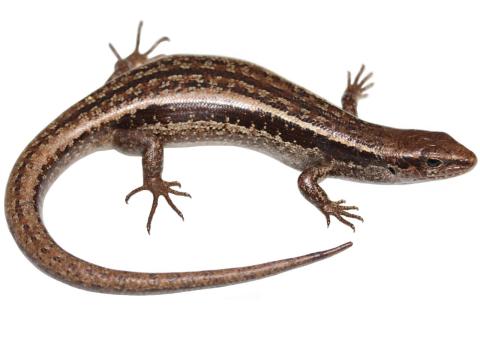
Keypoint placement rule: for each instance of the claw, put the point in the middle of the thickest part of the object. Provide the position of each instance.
(152, 212)
(133, 192)
(172, 205)
(328, 220)
(176, 192)
(344, 221)
(175, 184)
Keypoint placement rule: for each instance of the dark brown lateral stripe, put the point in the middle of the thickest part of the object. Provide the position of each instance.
(241, 67)
(292, 97)
(275, 126)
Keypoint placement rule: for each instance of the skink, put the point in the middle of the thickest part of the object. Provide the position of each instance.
(150, 103)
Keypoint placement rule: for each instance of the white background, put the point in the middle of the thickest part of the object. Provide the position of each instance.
(411, 277)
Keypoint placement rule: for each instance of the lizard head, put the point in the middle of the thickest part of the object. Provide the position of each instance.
(426, 155)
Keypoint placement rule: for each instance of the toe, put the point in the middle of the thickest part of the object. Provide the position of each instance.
(345, 208)
(346, 222)
(152, 212)
(176, 192)
(351, 215)
(365, 79)
(172, 205)
(174, 184)
(133, 192)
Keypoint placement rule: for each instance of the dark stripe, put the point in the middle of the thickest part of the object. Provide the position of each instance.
(275, 126)
(292, 97)
(295, 97)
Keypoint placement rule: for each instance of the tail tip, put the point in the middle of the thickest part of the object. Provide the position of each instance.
(335, 250)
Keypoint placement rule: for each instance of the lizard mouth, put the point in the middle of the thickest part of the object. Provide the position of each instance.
(464, 162)
(471, 160)
(456, 166)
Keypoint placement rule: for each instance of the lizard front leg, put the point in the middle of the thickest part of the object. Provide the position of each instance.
(150, 147)
(355, 91)
(308, 185)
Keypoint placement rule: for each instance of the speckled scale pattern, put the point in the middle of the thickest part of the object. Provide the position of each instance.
(198, 100)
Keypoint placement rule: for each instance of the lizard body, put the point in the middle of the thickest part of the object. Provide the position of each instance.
(175, 100)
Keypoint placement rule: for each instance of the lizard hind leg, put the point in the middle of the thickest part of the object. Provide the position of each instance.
(151, 148)
(135, 59)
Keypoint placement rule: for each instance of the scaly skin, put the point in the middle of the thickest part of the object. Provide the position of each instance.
(148, 104)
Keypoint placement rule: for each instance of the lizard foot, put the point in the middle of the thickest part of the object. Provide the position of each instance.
(358, 88)
(339, 211)
(136, 58)
(158, 187)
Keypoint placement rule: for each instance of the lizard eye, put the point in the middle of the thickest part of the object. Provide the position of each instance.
(434, 162)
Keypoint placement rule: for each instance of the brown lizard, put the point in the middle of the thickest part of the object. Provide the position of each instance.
(150, 103)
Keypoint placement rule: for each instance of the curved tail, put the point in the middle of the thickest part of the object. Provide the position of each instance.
(36, 169)
(35, 242)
